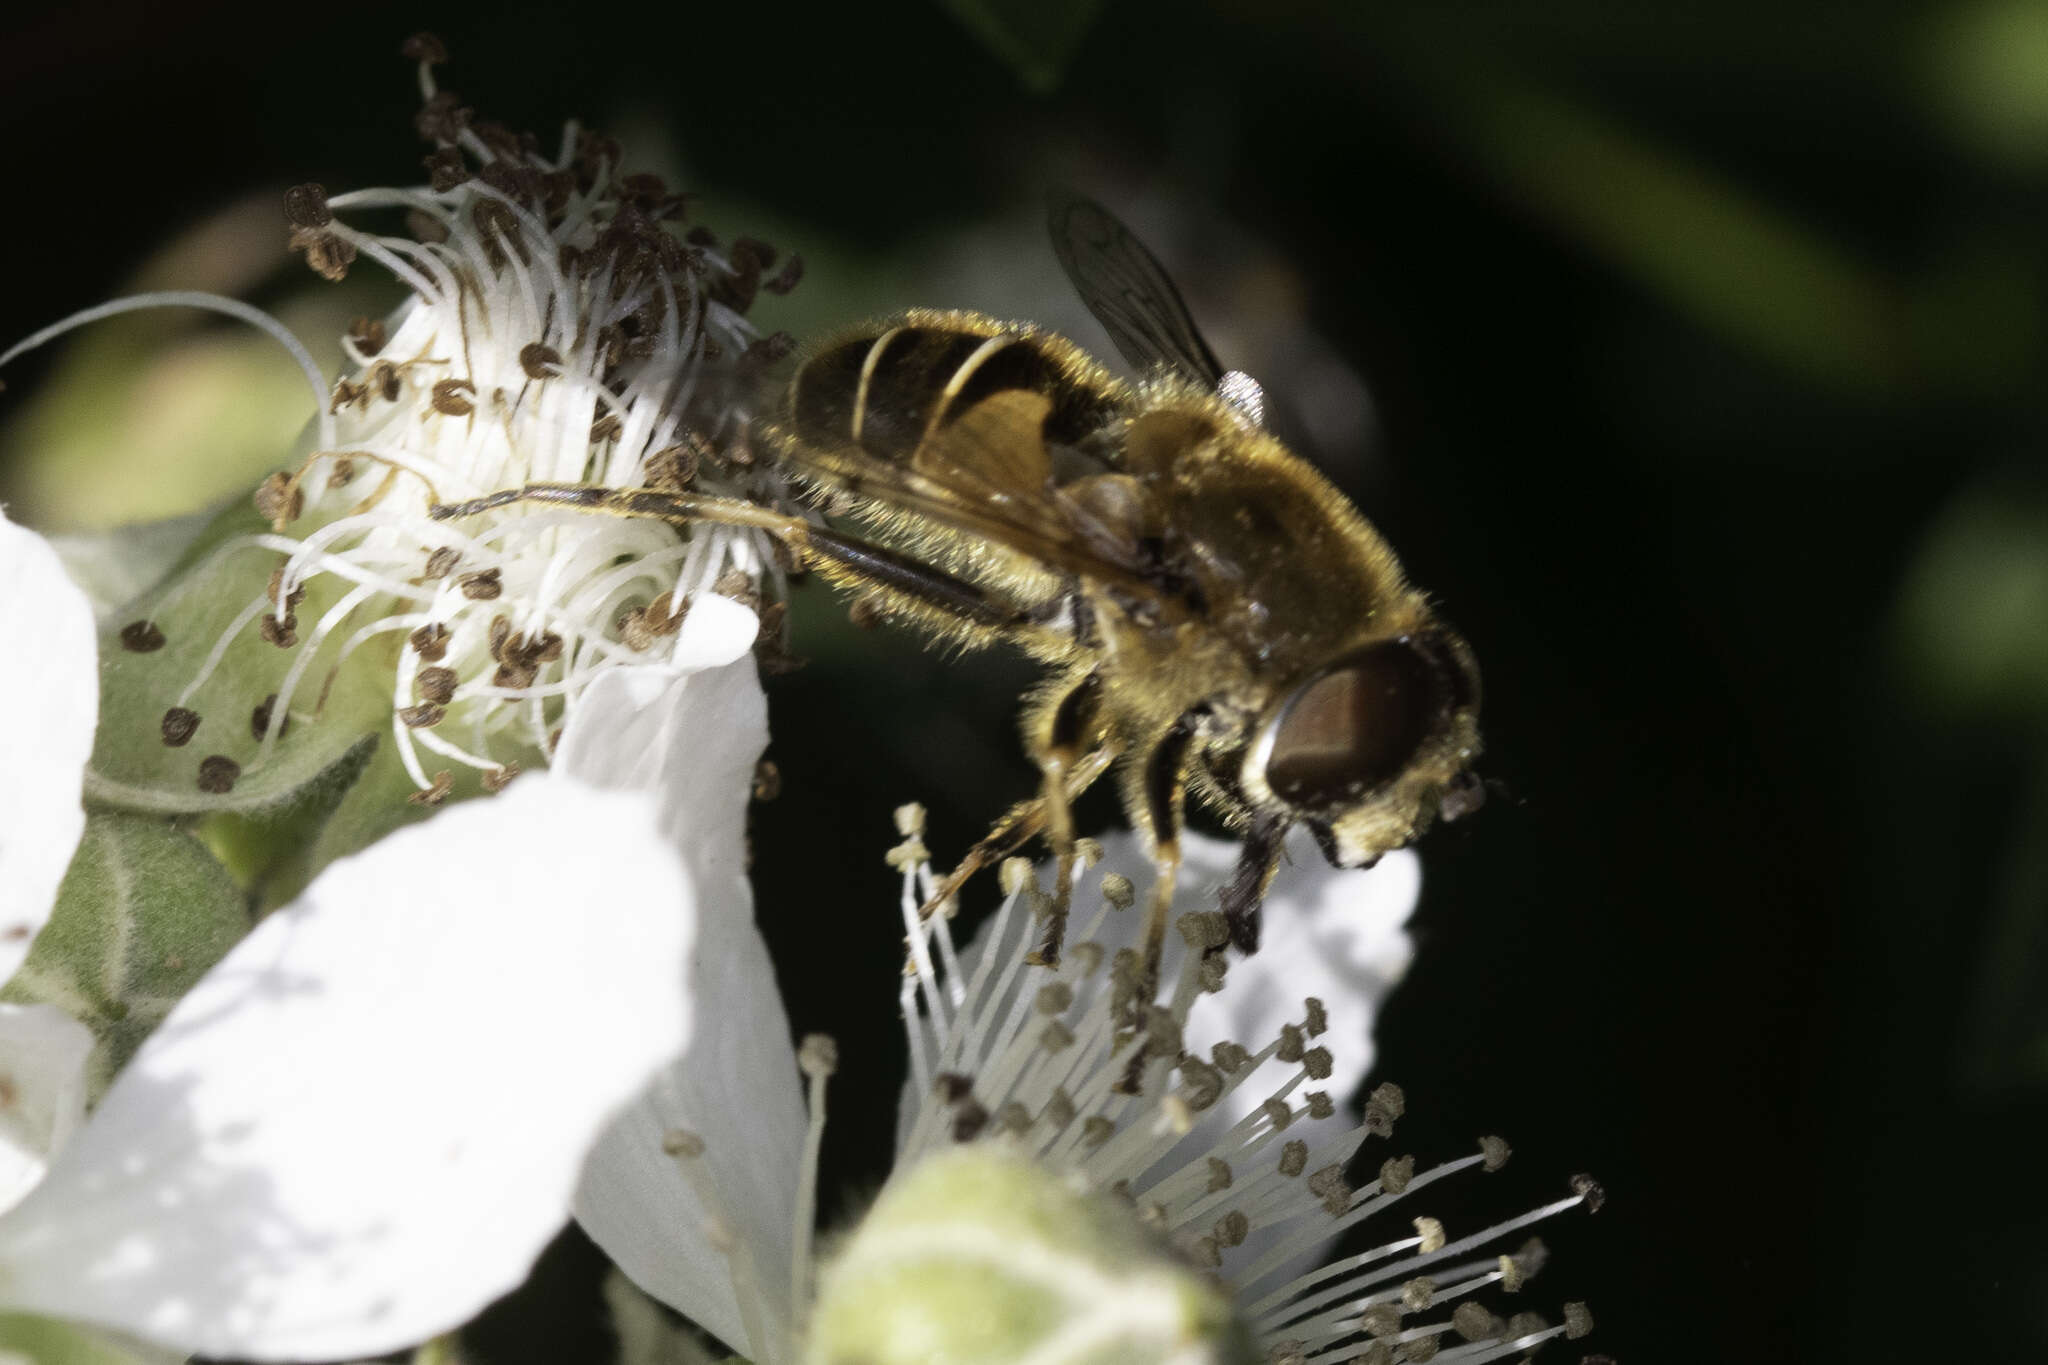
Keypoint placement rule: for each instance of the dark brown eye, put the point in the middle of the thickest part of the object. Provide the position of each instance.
(1355, 726)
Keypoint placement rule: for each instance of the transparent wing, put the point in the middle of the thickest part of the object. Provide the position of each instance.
(1127, 289)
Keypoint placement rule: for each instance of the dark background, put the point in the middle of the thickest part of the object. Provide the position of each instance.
(1703, 346)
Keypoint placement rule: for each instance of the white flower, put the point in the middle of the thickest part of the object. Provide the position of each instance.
(363, 1123)
(558, 330)
(706, 1195)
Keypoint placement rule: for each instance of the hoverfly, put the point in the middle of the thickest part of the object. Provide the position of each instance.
(1213, 614)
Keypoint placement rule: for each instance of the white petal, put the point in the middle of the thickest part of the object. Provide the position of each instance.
(737, 1088)
(1333, 933)
(367, 1120)
(42, 1091)
(50, 702)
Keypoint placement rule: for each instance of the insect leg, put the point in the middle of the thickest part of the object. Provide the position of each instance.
(1019, 824)
(1166, 785)
(1245, 892)
(1066, 726)
(846, 560)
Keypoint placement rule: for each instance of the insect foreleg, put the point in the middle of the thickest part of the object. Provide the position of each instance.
(1059, 745)
(1245, 892)
(847, 560)
(1019, 824)
(1166, 787)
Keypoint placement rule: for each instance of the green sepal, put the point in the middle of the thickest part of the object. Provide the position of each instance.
(48, 1341)
(977, 1253)
(331, 709)
(142, 913)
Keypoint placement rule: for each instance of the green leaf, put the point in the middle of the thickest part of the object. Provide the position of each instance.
(143, 912)
(46, 1341)
(332, 706)
(1035, 38)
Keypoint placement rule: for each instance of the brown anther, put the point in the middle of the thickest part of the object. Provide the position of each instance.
(1379, 1118)
(539, 361)
(1417, 1294)
(1381, 1320)
(1206, 1252)
(367, 335)
(1329, 1185)
(1232, 1228)
(1204, 929)
(1087, 957)
(786, 279)
(681, 1142)
(1055, 1037)
(1229, 1057)
(441, 563)
(1293, 1043)
(1432, 1234)
(282, 631)
(1293, 1158)
(451, 397)
(217, 774)
(1591, 1190)
(664, 616)
(498, 635)
(1421, 1349)
(1318, 1063)
(425, 716)
(1053, 998)
(259, 719)
(1578, 1320)
(1396, 1172)
(384, 381)
(1320, 1105)
(738, 585)
(425, 48)
(141, 637)
(673, 468)
(1059, 1110)
(436, 685)
(515, 675)
(481, 586)
(341, 473)
(1096, 1130)
(179, 726)
(1496, 1152)
(430, 642)
(305, 206)
(1375, 1353)
(277, 594)
(497, 779)
(1013, 1118)
(1318, 1021)
(817, 1055)
(1201, 1083)
(767, 780)
(1525, 1324)
(444, 782)
(951, 1087)
(1219, 1175)
(606, 428)
(634, 632)
(278, 500)
(1118, 891)
(330, 256)
(1474, 1322)
(969, 1119)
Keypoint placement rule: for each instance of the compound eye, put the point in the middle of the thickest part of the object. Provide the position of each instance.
(1354, 727)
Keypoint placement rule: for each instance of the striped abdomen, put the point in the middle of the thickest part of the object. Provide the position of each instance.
(887, 386)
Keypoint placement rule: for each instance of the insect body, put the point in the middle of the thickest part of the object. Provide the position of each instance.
(1213, 613)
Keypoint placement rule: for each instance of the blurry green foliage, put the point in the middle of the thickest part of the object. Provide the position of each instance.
(1034, 38)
